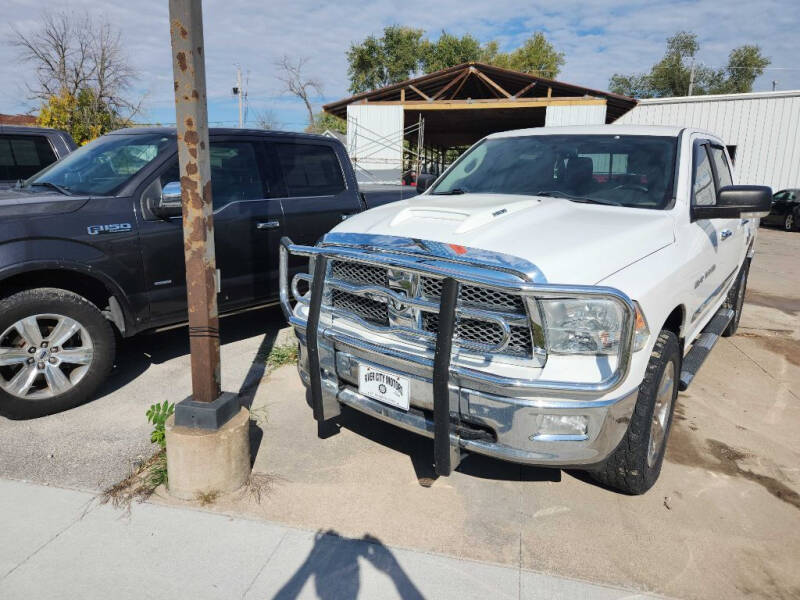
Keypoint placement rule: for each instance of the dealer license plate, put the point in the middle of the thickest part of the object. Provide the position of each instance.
(384, 386)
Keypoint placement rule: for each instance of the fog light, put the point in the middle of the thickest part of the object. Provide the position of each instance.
(572, 427)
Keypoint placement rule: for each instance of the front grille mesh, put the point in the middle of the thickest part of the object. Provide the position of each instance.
(476, 296)
(484, 332)
(371, 311)
(430, 288)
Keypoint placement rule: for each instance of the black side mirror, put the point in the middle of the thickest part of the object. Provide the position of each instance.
(424, 181)
(737, 201)
(169, 203)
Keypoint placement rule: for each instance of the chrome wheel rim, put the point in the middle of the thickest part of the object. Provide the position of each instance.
(789, 223)
(44, 355)
(661, 411)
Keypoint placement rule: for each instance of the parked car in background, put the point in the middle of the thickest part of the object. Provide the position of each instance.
(785, 212)
(25, 151)
(94, 244)
(542, 303)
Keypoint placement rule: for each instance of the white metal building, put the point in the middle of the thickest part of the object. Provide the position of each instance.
(761, 129)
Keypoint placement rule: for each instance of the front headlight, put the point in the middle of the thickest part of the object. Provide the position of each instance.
(574, 326)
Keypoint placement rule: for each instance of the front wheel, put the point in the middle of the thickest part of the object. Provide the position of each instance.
(788, 222)
(635, 465)
(56, 348)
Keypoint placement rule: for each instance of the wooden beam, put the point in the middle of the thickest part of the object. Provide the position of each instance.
(492, 83)
(456, 79)
(496, 103)
(403, 95)
(549, 92)
(420, 92)
(525, 89)
(460, 85)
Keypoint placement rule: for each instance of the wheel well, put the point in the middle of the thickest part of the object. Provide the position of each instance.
(674, 322)
(90, 288)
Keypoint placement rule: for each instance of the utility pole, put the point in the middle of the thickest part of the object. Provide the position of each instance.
(691, 79)
(238, 91)
(207, 438)
(191, 118)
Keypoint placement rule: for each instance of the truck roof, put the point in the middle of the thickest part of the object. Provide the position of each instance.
(660, 130)
(222, 131)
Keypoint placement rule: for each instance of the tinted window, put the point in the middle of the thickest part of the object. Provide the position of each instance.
(21, 156)
(628, 170)
(234, 173)
(310, 170)
(721, 162)
(704, 193)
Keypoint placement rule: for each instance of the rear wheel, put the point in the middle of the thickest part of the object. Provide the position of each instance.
(635, 465)
(56, 348)
(735, 299)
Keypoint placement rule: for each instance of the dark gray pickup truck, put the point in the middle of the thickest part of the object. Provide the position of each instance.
(27, 150)
(93, 244)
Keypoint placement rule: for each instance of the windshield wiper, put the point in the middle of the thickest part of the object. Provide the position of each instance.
(574, 198)
(453, 192)
(52, 185)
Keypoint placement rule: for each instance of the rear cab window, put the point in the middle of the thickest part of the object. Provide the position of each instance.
(24, 155)
(310, 169)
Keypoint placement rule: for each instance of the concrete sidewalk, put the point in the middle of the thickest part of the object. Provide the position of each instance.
(59, 543)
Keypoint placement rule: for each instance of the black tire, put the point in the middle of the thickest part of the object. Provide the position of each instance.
(629, 469)
(789, 222)
(735, 299)
(53, 301)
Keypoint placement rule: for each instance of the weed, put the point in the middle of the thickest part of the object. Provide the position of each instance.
(139, 485)
(158, 414)
(282, 355)
(209, 497)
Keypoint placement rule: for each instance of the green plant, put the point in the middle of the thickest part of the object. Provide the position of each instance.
(158, 414)
(282, 355)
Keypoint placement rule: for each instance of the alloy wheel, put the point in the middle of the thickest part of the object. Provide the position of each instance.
(661, 412)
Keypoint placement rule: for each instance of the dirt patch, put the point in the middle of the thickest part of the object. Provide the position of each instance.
(789, 306)
(717, 456)
(785, 346)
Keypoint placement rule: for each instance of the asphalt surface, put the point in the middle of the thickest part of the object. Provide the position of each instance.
(722, 521)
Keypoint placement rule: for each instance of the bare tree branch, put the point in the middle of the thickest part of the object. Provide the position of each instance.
(290, 72)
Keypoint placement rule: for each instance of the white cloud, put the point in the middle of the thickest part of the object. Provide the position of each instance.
(621, 38)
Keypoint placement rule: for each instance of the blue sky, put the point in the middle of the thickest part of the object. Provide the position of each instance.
(597, 37)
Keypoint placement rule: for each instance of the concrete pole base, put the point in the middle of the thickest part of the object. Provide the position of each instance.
(202, 461)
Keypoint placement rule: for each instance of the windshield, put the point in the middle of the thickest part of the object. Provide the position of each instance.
(103, 166)
(623, 170)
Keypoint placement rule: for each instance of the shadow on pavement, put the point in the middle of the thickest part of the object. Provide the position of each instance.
(136, 354)
(333, 563)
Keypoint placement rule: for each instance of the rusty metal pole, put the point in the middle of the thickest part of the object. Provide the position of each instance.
(191, 112)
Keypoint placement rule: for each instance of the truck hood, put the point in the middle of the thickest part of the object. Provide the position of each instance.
(569, 242)
(15, 203)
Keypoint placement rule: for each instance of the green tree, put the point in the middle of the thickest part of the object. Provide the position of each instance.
(84, 116)
(324, 121)
(536, 56)
(671, 76)
(391, 58)
(449, 50)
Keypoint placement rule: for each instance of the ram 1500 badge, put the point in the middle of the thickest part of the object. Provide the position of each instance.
(543, 302)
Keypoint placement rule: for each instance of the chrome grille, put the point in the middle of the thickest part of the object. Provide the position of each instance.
(485, 333)
(478, 297)
(358, 273)
(370, 310)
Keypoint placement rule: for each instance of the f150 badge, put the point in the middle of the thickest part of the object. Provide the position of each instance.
(110, 228)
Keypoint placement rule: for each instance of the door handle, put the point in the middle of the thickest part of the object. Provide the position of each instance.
(268, 224)
(725, 234)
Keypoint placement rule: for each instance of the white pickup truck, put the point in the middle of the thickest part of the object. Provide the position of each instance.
(543, 302)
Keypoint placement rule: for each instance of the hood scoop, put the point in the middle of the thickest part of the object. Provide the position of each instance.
(466, 216)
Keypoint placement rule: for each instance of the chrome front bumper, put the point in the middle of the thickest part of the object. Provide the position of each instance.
(460, 408)
(512, 422)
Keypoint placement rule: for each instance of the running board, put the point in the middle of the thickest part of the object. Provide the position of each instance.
(695, 358)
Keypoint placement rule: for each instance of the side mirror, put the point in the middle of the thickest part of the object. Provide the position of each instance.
(424, 181)
(169, 204)
(737, 201)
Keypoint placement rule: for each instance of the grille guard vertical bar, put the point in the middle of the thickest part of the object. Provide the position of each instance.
(441, 377)
(312, 335)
